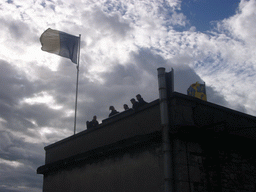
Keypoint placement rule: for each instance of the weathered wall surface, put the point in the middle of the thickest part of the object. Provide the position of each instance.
(133, 124)
(206, 163)
(186, 166)
(214, 163)
(208, 149)
(189, 111)
(131, 172)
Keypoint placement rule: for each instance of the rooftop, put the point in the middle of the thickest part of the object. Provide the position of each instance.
(131, 128)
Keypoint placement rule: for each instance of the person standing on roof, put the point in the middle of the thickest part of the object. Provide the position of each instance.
(140, 100)
(126, 107)
(113, 111)
(93, 123)
(135, 104)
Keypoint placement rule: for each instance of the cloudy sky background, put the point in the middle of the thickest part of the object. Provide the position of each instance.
(123, 44)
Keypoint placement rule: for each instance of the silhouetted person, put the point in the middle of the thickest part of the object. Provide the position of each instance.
(135, 104)
(113, 111)
(93, 123)
(126, 107)
(140, 100)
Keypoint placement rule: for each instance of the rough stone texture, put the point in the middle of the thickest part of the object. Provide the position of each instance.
(208, 165)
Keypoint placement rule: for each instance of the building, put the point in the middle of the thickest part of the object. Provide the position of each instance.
(200, 147)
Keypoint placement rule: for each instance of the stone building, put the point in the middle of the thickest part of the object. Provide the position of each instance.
(209, 148)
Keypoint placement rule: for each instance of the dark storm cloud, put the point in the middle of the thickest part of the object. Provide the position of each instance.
(15, 148)
(184, 76)
(119, 86)
(61, 84)
(147, 60)
(17, 155)
(123, 75)
(20, 179)
(15, 87)
(14, 84)
(123, 82)
(41, 113)
(18, 162)
(25, 127)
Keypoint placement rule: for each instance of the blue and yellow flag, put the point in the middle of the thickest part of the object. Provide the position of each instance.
(60, 43)
(197, 90)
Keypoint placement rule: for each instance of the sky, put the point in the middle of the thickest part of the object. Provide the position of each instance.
(123, 42)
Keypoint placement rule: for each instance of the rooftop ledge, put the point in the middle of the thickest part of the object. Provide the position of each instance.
(184, 111)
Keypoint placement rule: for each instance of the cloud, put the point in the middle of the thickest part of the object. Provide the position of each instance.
(231, 61)
(123, 44)
(110, 24)
(18, 29)
(21, 158)
(242, 25)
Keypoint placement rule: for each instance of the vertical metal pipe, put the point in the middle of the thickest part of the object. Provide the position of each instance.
(165, 129)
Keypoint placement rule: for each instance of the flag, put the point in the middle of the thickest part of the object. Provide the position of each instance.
(197, 90)
(60, 43)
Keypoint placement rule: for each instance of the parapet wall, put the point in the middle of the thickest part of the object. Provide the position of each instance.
(184, 111)
(133, 170)
(125, 153)
(117, 128)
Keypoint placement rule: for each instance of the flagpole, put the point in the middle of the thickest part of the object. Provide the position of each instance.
(77, 67)
(205, 91)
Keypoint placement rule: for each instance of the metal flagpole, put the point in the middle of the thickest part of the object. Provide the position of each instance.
(205, 91)
(77, 67)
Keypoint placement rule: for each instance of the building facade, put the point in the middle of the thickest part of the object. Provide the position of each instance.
(210, 149)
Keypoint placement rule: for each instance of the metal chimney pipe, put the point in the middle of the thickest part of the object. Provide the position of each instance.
(165, 129)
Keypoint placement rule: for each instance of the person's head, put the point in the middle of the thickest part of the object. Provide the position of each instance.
(126, 106)
(111, 108)
(138, 96)
(133, 100)
(94, 117)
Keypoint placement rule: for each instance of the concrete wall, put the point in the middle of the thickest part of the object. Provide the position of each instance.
(131, 172)
(211, 164)
(115, 129)
(205, 163)
(183, 111)
(205, 155)
(188, 111)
